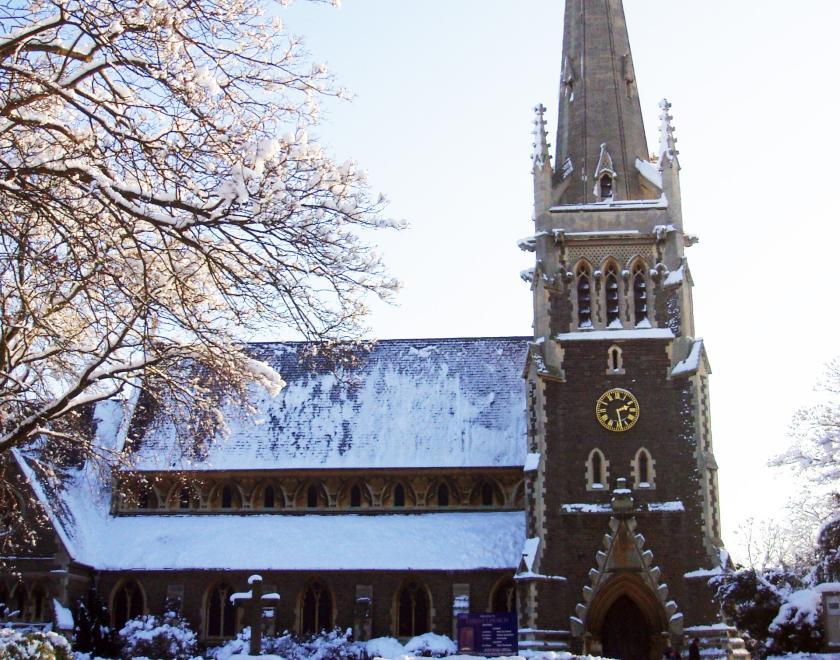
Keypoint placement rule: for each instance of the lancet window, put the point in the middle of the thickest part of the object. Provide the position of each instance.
(127, 602)
(413, 610)
(596, 471)
(220, 615)
(643, 469)
(612, 295)
(640, 293)
(615, 360)
(316, 610)
(504, 596)
(584, 296)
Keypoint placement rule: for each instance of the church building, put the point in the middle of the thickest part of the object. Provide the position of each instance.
(567, 476)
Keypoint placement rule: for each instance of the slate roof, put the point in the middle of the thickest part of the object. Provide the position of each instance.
(407, 404)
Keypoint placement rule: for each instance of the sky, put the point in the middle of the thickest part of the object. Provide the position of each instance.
(442, 119)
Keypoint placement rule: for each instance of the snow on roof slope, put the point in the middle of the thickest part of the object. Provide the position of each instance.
(408, 403)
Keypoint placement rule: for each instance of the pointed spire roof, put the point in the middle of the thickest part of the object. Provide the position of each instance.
(599, 104)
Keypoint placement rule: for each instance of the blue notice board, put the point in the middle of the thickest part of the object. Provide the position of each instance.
(488, 634)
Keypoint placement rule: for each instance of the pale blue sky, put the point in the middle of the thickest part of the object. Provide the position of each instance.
(442, 122)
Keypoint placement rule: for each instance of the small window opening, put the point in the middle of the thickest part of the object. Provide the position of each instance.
(487, 494)
(184, 498)
(227, 497)
(355, 497)
(597, 469)
(399, 495)
(644, 468)
(615, 361)
(312, 497)
(611, 287)
(268, 498)
(606, 187)
(443, 495)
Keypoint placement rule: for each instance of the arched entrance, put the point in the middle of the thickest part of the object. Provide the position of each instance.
(625, 633)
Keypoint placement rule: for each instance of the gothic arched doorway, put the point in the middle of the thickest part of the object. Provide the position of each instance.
(625, 633)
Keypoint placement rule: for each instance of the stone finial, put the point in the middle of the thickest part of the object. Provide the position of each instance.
(541, 156)
(667, 142)
(622, 500)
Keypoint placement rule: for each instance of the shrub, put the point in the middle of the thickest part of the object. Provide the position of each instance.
(328, 645)
(431, 645)
(163, 638)
(15, 645)
(797, 627)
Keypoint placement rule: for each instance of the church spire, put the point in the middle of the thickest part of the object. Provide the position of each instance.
(600, 113)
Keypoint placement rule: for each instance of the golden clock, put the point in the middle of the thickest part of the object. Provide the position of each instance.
(617, 410)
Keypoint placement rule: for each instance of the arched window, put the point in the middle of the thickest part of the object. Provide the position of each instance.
(487, 494)
(127, 602)
(227, 497)
(5, 602)
(184, 497)
(413, 610)
(268, 497)
(611, 293)
(399, 495)
(504, 596)
(605, 186)
(443, 495)
(355, 496)
(643, 471)
(584, 296)
(596, 471)
(19, 600)
(640, 297)
(220, 614)
(615, 360)
(316, 612)
(147, 498)
(37, 600)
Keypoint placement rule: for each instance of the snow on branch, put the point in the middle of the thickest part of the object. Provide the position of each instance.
(160, 196)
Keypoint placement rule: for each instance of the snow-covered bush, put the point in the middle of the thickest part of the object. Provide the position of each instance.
(431, 645)
(15, 645)
(332, 645)
(163, 638)
(797, 627)
(751, 599)
(384, 647)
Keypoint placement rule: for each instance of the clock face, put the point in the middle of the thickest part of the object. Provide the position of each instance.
(617, 410)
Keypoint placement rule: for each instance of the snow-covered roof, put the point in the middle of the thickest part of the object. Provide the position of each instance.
(432, 541)
(406, 404)
(692, 361)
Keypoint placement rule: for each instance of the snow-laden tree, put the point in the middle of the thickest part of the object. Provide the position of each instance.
(159, 199)
(815, 451)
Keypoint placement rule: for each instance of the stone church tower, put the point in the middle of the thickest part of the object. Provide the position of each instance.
(623, 520)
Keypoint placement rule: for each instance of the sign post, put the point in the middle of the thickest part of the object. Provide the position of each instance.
(490, 635)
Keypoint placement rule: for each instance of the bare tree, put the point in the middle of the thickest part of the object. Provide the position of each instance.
(815, 430)
(159, 197)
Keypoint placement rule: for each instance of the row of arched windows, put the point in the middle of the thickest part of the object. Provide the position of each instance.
(20, 603)
(316, 609)
(314, 495)
(612, 295)
(598, 474)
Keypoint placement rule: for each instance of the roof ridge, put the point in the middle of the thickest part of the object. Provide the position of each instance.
(395, 340)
